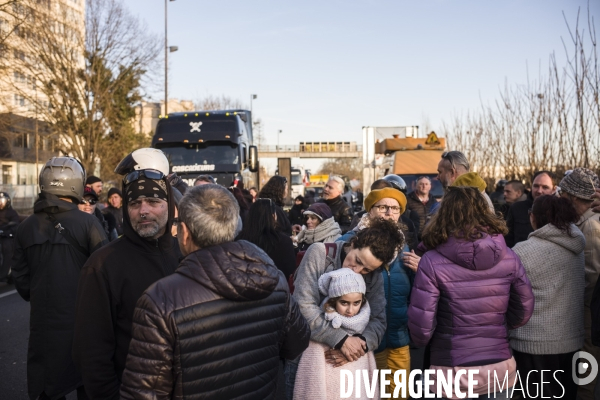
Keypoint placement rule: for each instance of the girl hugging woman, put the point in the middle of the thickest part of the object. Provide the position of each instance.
(345, 308)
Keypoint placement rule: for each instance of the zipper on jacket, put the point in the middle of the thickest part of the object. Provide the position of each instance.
(387, 335)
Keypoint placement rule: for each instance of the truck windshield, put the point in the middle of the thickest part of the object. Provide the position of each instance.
(199, 157)
(296, 178)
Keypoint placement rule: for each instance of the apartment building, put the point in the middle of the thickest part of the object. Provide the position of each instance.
(26, 140)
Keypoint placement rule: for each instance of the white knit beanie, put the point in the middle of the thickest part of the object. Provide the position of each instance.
(340, 282)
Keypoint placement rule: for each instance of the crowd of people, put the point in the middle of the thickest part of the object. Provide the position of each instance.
(208, 292)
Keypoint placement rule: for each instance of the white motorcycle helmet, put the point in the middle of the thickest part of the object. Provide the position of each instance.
(144, 159)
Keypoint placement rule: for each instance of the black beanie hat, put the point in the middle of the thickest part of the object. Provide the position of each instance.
(92, 179)
(112, 191)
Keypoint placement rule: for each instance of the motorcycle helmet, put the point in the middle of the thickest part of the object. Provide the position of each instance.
(63, 177)
(4, 201)
(396, 181)
(500, 184)
(141, 159)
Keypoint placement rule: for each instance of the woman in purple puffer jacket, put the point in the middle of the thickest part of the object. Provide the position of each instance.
(468, 291)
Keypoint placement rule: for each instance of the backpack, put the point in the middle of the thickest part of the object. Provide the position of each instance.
(330, 250)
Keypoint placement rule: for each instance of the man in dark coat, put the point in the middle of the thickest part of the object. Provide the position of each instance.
(514, 191)
(332, 196)
(218, 326)
(517, 219)
(115, 277)
(51, 247)
(115, 208)
(421, 202)
(9, 220)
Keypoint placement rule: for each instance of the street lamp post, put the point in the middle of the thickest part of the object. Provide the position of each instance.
(278, 133)
(252, 97)
(167, 51)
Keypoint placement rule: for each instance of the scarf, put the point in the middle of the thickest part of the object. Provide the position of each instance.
(326, 232)
(351, 325)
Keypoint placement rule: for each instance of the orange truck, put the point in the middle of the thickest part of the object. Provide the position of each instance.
(411, 158)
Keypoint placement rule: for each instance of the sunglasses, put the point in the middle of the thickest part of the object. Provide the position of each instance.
(91, 202)
(447, 156)
(148, 173)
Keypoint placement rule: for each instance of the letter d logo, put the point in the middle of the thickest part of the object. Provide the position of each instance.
(583, 366)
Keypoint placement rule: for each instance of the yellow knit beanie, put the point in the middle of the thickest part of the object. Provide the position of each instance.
(385, 193)
(470, 179)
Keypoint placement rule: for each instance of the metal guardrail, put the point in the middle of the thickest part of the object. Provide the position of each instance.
(312, 147)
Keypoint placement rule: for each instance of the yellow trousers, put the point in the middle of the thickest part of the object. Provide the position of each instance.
(394, 359)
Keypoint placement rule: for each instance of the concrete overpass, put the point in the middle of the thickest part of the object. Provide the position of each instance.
(312, 150)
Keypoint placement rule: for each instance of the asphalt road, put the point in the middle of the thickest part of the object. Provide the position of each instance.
(14, 335)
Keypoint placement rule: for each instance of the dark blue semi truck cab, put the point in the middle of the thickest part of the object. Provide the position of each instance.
(215, 143)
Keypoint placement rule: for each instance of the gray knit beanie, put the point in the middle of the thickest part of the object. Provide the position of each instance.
(340, 282)
(580, 183)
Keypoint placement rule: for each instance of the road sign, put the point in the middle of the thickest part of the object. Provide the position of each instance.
(432, 139)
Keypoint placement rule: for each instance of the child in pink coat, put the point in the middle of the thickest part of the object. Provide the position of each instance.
(345, 307)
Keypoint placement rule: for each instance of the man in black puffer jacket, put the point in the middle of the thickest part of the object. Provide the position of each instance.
(218, 326)
(332, 196)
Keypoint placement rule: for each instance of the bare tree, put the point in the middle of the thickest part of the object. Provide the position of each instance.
(551, 123)
(83, 77)
(349, 167)
(212, 102)
(11, 18)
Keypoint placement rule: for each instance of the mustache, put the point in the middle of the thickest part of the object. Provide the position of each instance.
(146, 220)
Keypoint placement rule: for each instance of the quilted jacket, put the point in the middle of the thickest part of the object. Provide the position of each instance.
(466, 296)
(215, 329)
(397, 283)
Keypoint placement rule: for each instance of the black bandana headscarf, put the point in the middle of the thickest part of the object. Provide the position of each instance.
(146, 188)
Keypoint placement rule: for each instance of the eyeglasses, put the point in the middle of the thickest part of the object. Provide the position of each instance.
(384, 209)
(447, 156)
(91, 202)
(148, 173)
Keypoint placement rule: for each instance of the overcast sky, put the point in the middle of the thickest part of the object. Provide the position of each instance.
(324, 69)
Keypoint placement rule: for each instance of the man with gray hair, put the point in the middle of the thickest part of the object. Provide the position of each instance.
(452, 165)
(332, 196)
(218, 326)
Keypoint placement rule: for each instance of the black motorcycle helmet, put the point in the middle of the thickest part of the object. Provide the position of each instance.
(4, 200)
(396, 182)
(500, 184)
